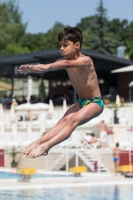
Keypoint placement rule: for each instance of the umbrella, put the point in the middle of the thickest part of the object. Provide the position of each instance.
(12, 113)
(131, 84)
(51, 107)
(40, 106)
(5, 86)
(24, 106)
(118, 102)
(36, 106)
(123, 69)
(1, 111)
(64, 105)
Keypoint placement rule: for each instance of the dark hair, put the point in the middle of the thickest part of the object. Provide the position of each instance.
(117, 144)
(73, 34)
(92, 134)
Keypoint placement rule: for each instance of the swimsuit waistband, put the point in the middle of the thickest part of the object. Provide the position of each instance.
(91, 98)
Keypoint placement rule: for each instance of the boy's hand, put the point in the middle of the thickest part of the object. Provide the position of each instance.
(25, 68)
(40, 68)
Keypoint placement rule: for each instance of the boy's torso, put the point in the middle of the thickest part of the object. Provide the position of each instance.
(117, 152)
(84, 81)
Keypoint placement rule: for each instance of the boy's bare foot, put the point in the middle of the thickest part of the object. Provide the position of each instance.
(31, 147)
(40, 150)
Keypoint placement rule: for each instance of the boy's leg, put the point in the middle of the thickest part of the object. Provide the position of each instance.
(82, 116)
(115, 168)
(117, 165)
(56, 129)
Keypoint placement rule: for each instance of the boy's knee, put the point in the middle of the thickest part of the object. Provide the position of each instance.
(63, 120)
(73, 121)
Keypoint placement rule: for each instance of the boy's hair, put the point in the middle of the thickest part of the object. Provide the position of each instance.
(117, 144)
(73, 34)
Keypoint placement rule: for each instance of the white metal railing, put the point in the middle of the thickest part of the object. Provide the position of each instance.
(88, 157)
(89, 160)
(62, 160)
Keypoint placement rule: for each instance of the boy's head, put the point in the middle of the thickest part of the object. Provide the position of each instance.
(70, 36)
(73, 34)
(117, 144)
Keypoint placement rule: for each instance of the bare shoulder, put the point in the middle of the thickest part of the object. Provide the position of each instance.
(86, 59)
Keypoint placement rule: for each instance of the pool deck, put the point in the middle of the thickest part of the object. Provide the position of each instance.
(88, 179)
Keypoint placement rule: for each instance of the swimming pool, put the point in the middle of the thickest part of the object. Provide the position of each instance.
(9, 175)
(123, 192)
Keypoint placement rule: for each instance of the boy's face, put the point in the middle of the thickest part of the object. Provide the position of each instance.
(68, 48)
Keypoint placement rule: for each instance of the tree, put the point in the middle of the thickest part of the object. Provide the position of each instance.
(96, 32)
(42, 91)
(11, 28)
(118, 28)
(50, 39)
(42, 41)
(129, 40)
(31, 42)
(13, 151)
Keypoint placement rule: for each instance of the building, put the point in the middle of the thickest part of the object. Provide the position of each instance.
(59, 83)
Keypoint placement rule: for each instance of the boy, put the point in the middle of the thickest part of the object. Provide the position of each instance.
(103, 133)
(83, 77)
(116, 155)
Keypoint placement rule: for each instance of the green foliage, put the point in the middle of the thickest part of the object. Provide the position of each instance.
(42, 90)
(13, 151)
(114, 105)
(30, 42)
(40, 41)
(13, 48)
(49, 40)
(99, 33)
(129, 40)
(11, 28)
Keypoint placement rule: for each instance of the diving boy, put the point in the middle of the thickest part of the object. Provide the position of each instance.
(81, 71)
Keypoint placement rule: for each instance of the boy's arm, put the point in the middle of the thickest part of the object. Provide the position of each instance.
(64, 64)
(28, 68)
(59, 64)
(113, 152)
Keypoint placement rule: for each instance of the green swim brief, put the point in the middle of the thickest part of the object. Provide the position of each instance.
(98, 100)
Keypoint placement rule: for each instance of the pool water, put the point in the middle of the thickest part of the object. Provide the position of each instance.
(9, 175)
(123, 192)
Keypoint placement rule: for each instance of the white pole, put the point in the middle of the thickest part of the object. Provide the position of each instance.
(130, 151)
(77, 159)
(2, 130)
(30, 86)
(67, 165)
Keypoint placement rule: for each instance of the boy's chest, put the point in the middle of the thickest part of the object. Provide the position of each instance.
(76, 71)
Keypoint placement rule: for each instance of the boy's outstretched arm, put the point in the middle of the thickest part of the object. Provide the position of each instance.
(61, 64)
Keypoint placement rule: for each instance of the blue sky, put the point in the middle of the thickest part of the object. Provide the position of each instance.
(42, 14)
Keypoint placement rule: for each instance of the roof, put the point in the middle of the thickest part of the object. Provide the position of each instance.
(123, 69)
